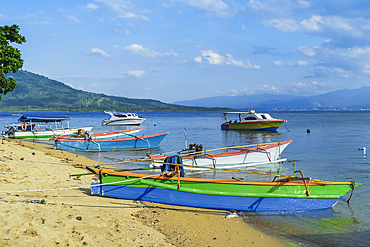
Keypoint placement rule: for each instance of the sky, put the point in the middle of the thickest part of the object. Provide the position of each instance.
(173, 50)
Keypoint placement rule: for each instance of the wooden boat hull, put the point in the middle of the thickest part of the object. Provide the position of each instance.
(114, 134)
(250, 155)
(143, 142)
(120, 122)
(263, 125)
(46, 134)
(220, 194)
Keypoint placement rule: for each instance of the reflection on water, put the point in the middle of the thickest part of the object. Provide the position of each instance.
(249, 137)
(316, 228)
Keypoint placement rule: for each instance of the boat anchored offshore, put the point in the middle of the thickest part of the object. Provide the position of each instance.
(122, 118)
(250, 121)
(43, 127)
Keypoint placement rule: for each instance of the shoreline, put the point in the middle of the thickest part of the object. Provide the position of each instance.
(70, 216)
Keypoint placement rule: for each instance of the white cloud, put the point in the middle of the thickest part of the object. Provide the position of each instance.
(214, 7)
(136, 73)
(302, 63)
(279, 63)
(73, 18)
(339, 61)
(299, 63)
(125, 9)
(308, 51)
(198, 59)
(326, 25)
(145, 52)
(92, 6)
(270, 88)
(314, 24)
(129, 15)
(217, 59)
(96, 51)
(284, 25)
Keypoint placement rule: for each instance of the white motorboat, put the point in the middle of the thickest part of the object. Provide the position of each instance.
(122, 118)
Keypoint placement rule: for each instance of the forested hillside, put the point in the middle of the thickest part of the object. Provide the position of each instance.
(39, 93)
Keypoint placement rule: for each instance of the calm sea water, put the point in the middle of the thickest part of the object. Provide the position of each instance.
(331, 151)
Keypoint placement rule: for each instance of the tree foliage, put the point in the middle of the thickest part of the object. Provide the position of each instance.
(10, 57)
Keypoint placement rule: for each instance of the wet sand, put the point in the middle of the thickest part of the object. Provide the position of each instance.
(42, 205)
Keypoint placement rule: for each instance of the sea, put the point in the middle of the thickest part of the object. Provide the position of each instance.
(327, 145)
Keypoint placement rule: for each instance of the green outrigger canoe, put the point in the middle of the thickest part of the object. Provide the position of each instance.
(290, 193)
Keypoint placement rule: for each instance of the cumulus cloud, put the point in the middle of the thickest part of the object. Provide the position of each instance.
(213, 7)
(233, 92)
(284, 25)
(339, 61)
(136, 73)
(198, 59)
(92, 6)
(73, 18)
(335, 26)
(217, 59)
(296, 88)
(145, 52)
(298, 63)
(99, 52)
(125, 9)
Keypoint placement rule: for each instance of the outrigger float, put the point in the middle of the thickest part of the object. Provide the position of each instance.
(284, 193)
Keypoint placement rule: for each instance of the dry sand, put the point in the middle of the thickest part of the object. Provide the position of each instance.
(58, 210)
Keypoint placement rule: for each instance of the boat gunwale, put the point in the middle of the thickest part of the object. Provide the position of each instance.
(72, 139)
(220, 181)
(204, 154)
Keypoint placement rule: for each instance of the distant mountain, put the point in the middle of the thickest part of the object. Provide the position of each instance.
(340, 99)
(39, 93)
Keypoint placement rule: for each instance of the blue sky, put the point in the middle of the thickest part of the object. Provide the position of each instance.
(172, 50)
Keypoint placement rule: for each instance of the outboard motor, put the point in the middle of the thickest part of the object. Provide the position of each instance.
(172, 168)
(195, 147)
(10, 130)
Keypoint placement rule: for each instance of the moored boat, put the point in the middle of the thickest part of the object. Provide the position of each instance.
(250, 121)
(42, 127)
(109, 144)
(290, 193)
(122, 118)
(232, 156)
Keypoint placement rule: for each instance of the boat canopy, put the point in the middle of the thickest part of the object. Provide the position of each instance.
(44, 119)
(252, 115)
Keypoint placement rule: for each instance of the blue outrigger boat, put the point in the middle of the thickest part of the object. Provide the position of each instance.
(109, 144)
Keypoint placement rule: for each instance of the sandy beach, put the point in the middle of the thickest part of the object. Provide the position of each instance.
(42, 205)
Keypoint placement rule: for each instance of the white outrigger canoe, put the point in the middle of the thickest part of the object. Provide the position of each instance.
(228, 157)
(41, 127)
(122, 118)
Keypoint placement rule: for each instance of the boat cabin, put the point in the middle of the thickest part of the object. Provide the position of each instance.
(240, 117)
(124, 115)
